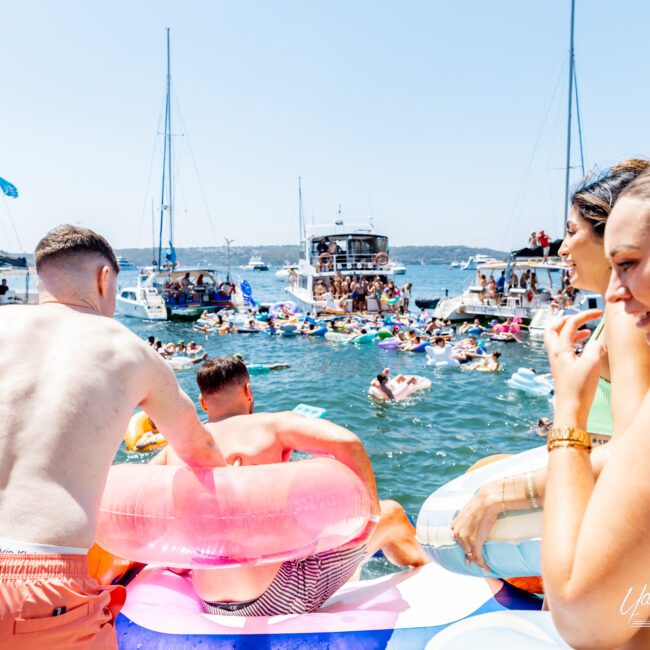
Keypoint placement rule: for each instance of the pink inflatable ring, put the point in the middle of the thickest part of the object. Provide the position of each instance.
(231, 516)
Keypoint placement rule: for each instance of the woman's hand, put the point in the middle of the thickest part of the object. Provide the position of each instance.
(575, 377)
(473, 523)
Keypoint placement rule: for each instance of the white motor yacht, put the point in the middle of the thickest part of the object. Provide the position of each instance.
(474, 260)
(125, 265)
(511, 302)
(255, 263)
(360, 253)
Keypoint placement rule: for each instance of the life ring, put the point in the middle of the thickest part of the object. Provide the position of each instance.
(381, 259)
(325, 261)
(139, 425)
(227, 288)
(231, 516)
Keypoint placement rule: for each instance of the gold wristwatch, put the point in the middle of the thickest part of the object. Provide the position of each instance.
(568, 437)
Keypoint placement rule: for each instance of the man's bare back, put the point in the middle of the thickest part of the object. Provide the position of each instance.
(70, 382)
(68, 371)
(229, 437)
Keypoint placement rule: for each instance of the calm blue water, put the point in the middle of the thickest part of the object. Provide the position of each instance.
(415, 446)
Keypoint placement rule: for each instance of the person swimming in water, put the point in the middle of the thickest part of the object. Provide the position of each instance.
(489, 363)
(381, 382)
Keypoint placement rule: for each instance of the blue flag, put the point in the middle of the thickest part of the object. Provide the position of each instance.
(8, 188)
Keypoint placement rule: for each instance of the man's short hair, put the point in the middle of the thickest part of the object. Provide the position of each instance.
(221, 372)
(67, 240)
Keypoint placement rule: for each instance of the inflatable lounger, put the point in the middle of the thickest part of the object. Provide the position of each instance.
(513, 545)
(403, 610)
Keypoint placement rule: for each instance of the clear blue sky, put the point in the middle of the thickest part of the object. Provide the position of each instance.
(424, 114)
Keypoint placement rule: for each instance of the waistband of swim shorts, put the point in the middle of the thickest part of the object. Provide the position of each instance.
(19, 566)
(16, 546)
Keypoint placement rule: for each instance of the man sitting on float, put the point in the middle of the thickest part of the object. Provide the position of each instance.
(297, 586)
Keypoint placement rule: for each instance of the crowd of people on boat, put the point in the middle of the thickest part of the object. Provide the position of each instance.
(595, 548)
(353, 292)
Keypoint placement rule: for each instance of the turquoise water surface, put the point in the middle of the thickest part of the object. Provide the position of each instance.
(415, 446)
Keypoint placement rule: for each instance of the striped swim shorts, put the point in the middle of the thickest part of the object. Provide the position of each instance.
(300, 586)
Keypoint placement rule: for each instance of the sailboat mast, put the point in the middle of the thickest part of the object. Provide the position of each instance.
(168, 111)
(301, 216)
(164, 162)
(167, 164)
(568, 130)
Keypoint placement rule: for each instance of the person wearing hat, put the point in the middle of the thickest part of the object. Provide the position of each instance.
(545, 243)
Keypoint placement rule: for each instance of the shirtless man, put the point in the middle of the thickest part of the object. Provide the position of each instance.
(297, 586)
(69, 368)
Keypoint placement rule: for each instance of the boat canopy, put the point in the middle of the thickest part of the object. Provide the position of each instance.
(552, 264)
(538, 250)
(176, 275)
(12, 261)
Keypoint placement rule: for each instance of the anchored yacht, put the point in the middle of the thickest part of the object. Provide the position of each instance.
(537, 305)
(344, 249)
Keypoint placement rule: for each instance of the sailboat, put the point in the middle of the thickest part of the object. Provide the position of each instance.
(165, 290)
(533, 307)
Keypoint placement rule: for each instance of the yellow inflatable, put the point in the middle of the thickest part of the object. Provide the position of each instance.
(140, 425)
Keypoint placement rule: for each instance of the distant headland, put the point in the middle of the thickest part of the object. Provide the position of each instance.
(216, 256)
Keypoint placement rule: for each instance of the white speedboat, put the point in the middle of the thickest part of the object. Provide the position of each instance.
(141, 302)
(20, 291)
(455, 265)
(474, 260)
(360, 254)
(285, 272)
(398, 268)
(473, 302)
(255, 263)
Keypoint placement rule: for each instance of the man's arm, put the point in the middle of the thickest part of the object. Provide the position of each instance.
(175, 416)
(318, 436)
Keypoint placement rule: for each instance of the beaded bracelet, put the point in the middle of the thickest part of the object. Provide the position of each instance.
(532, 493)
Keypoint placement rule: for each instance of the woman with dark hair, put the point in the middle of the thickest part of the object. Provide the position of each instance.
(624, 376)
(596, 545)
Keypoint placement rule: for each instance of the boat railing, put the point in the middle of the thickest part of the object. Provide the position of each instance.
(514, 297)
(348, 262)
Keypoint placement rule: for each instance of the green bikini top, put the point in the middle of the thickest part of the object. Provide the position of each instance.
(600, 415)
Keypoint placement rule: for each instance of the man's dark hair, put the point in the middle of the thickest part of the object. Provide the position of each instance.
(72, 240)
(438, 339)
(221, 372)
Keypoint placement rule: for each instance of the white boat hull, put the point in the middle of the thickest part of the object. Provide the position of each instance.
(137, 302)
